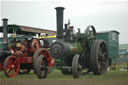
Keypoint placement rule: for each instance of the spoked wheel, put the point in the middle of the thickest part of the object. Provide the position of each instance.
(90, 35)
(11, 66)
(24, 71)
(99, 57)
(39, 52)
(66, 71)
(76, 67)
(41, 67)
(34, 45)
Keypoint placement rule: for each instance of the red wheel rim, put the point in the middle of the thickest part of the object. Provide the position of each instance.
(35, 44)
(47, 55)
(12, 66)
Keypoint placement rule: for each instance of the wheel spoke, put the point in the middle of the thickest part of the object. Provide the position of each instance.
(15, 69)
(14, 62)
(15, 66)
(103, 57)
(100, 67)
(10, 61)
(41, 62)
(104, 53)
(9, 70)
(100, 50)
(12, 72)
(103, 63)
(40, 53)
(100, 53)
(45, 53)
(9, 66)
(102, 46)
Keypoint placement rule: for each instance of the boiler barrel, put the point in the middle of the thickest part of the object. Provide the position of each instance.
(63, 49)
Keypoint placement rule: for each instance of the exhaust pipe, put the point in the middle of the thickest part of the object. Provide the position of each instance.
(59, 14)
(5, 51)
(5, 29)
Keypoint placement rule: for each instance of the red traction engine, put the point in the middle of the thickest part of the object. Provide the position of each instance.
(21, 55)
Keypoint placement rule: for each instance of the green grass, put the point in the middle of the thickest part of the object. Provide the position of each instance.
(57, 75)
(112, 77)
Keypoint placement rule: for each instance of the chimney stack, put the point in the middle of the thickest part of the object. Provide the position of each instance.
(59, 14)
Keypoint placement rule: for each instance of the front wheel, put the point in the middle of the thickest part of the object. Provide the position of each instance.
(41, 67)
(76, 67)
(11, 66)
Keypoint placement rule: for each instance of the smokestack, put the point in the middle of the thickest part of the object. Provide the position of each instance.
(59, 14)
(5, 29)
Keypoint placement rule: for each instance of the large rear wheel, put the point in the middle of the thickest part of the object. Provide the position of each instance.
(99, 57)
(40, 51)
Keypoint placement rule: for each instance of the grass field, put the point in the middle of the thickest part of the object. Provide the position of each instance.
(112, 77)
(57, 75)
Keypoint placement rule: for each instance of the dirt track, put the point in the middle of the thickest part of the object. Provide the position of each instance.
(113, 77)
(64, 82)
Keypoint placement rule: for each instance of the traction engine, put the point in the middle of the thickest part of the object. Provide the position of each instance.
(74, 52)
(19, 56)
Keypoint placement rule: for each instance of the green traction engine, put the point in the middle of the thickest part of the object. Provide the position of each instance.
(73, 52)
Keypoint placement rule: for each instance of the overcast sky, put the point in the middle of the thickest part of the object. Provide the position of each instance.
(105, 15)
